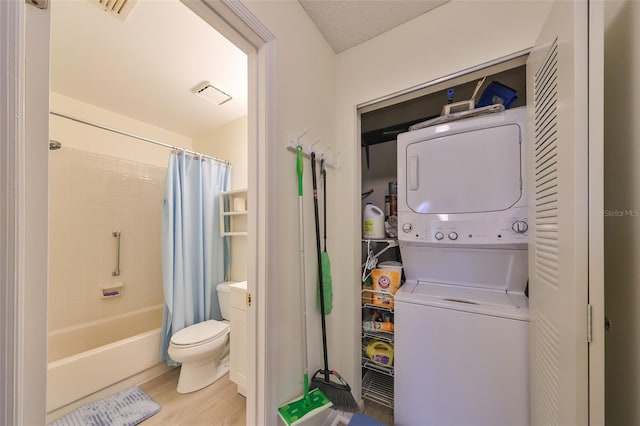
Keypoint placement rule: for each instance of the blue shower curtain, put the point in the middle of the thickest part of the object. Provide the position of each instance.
(195, 257)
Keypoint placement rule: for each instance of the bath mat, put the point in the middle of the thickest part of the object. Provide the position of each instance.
(126, 408)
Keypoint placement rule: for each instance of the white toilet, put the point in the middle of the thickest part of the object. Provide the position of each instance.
(203, 348)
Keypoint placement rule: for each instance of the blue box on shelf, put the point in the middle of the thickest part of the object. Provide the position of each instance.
(497, 93)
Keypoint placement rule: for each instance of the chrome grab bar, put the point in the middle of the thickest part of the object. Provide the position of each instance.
(116, 272)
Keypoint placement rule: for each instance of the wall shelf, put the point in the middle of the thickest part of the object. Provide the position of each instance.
(233, 213)
(377, 380)
(382, 336)
(378, 387)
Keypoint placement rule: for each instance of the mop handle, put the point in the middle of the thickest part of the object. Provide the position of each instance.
(299, 169)
(320, 281)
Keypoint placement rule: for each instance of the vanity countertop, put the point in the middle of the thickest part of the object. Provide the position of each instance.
(239, 286)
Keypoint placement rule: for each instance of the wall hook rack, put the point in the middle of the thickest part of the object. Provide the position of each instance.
(330, 160)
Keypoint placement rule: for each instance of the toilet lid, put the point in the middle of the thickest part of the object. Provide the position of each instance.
(199, 333)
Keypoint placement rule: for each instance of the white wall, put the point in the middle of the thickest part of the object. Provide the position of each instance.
(230, 142)
(622, 211)
(31, 220)
(306, 100)
(88, 138)
(452, 38)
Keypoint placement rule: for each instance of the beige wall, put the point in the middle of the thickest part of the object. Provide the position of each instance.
(93, 180)
(417, 52)
(622, 211)
(305, 100)
(90, 196)
(230, 142)
(88, 138)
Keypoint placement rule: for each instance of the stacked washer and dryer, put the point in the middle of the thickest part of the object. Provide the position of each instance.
(461, 318)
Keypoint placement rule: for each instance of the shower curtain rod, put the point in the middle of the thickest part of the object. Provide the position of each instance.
(142, 138)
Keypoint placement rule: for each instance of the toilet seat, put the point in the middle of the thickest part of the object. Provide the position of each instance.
(199, 333)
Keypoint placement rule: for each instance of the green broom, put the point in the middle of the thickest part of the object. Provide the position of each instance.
(314, 401)
(324, 256)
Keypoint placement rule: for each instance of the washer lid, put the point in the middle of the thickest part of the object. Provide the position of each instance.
(459, 294)
(199, 333)
(465, 299)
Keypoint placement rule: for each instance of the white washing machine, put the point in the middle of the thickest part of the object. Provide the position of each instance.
(461, 318)
(461, 356)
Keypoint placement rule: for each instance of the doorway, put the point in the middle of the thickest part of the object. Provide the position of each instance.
(25, 341)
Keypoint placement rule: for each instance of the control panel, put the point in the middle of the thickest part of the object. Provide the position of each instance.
(431, 228)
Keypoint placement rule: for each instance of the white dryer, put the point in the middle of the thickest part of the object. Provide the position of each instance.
(461, 319)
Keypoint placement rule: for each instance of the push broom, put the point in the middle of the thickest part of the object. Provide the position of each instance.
(314, 401)
(329, 381)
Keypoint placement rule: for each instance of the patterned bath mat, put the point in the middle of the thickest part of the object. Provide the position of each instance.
(126, 408)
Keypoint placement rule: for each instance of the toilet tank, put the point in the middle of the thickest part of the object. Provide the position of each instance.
(224, 299)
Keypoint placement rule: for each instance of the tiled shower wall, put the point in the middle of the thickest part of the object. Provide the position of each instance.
(90, 196)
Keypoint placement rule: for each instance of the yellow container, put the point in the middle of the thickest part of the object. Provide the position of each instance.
(387, 281)
(380, 352)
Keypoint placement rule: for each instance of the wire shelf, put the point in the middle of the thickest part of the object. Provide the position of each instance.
(377, 367)
(378, 335)
(378, 388)
(369, 296)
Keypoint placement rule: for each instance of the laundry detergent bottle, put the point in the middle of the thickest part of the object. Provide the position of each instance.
(373, 222)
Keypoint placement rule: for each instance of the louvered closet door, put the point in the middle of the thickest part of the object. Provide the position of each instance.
(558, 179)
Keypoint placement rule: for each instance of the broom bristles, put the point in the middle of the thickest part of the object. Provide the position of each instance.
(338, 393)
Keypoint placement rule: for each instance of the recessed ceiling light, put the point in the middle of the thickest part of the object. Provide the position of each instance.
(209, 92)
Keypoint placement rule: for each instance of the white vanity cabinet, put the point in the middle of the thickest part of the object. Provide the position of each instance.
(238, 367)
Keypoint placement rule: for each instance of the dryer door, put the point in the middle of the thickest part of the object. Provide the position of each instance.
(468, 172)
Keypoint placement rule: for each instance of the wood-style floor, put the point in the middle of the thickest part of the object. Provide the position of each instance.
(219, 404)
(378, 412)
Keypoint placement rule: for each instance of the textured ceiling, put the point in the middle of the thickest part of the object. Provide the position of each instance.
(347, 23)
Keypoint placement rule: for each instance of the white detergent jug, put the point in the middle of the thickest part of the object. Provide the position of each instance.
(373, 222)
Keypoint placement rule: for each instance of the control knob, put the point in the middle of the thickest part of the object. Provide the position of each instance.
(439, 235)
(520, 226)
(407, 227)
(453, 236)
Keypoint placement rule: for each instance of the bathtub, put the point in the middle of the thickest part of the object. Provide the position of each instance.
(96, 359)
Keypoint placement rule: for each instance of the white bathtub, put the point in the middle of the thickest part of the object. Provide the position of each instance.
(96, 359)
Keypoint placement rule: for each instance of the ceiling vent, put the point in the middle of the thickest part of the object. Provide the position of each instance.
(211, 93)
(119, 8)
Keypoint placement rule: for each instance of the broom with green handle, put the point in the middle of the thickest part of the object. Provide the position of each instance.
(314, 401)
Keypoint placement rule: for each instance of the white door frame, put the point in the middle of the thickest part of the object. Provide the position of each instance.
(11, 136)
(23, 390)
(236, 22)
(24, 91)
